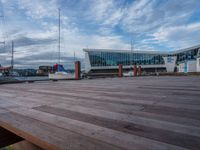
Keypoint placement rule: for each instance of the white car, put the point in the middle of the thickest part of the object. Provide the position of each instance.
(128, 74)
(61, 75)
(1, 74)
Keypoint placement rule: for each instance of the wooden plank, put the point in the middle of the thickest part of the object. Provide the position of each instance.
(50, 99)
(165, 136)
(163, 104)
(165, 125)
(47, 136)
(130, 109)
(127, 113)
(2, 110)
(112, 137)
(119, 116)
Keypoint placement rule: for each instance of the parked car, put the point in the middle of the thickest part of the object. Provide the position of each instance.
(128, 74)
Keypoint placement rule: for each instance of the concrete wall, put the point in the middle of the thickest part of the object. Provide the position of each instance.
(181, 67)
(87, 63)
(192, 66)
(198, 64)
(170, 63)
(189, 66)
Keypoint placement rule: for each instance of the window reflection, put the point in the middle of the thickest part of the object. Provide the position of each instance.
(98, 58)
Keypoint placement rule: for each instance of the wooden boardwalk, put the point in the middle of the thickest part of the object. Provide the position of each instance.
(155, 113)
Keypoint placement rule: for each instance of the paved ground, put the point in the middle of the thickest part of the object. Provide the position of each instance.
(105, 114)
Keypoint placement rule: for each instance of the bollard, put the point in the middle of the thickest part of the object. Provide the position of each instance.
(120, 71)
(139, 71)
(77, 70)
(135, 70)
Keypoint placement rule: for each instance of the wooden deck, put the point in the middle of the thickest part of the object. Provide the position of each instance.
(156, 113)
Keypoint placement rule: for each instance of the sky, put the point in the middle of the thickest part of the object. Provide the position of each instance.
(160, 25)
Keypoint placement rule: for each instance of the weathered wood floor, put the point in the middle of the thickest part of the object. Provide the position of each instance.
(156, 113)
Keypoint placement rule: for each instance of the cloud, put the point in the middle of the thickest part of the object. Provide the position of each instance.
(106, 12)
(35, 47)
(153, 25)
(147, 16)
(38, 9)
(179, 36)
(46, 58)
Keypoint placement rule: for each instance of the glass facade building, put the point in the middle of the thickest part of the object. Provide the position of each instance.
(187, 55)
(126, 59)
(101, 58)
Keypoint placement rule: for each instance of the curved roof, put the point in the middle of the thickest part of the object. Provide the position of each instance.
(146, 52)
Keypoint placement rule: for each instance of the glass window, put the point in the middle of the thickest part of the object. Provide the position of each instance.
(114, 59)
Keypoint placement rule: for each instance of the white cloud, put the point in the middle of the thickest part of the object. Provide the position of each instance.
(105, 12)
(146, 16)
(38, 9)
(151, 22)
(37, 43)
(179, 36)
(73, 40)
(99, 9)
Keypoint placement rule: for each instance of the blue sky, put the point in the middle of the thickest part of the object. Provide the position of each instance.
(162, 25)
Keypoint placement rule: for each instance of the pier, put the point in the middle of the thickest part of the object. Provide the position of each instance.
(141, 113)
